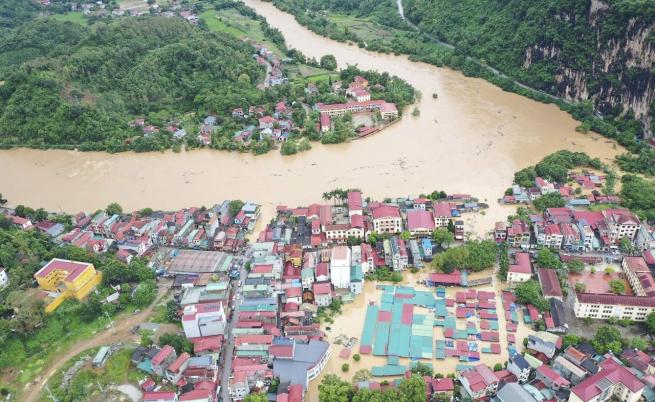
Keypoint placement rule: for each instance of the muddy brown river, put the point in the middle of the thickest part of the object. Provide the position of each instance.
(470, 140)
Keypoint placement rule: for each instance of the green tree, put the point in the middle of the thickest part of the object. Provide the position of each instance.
(146, 338)
(529, 292)
(607, 338)
(345, 367)
(114, 209)
(234, 207)
(405, 235)
(550, 200)
(329, 62)
(255, 397)
(443, 236)
(650, 322)
(422, 369)
(179, 342)
(334, 389)
(575, 266)
(617, 286)
(412, 389)
(639, 343)
(144, 294)
(548, 259)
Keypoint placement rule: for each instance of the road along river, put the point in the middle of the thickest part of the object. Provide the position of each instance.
(471, 139)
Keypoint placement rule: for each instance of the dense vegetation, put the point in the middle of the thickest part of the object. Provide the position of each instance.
(555, 167)
(558, 34)
(94, 80)
(637, 193)
(334, 389)
(26, 333)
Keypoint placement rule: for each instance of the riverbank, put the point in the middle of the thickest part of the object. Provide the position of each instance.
(402, 36)
(470, 140)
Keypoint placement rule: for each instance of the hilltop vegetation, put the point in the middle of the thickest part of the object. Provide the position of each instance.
(80, 86)
(596, 60)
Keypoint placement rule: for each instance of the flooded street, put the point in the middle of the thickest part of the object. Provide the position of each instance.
(469, 140)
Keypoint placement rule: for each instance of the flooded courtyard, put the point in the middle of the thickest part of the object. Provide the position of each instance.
(351, 323)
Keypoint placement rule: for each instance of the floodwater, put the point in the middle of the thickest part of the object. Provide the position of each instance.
(351, 324)
(469, 140)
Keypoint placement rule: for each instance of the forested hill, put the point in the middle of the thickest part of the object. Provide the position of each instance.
(68, 84)
(603, 50)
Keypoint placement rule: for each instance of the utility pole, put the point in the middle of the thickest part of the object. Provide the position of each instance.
(111, 323)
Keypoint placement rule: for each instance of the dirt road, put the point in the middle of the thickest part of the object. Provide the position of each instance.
(119, 333)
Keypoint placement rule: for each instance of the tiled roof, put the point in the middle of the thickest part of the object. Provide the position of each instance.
(549, 282)
(522, 264)
(73, 269)
(620, 300)
(612, 372)
(419, 219)
(386, 211)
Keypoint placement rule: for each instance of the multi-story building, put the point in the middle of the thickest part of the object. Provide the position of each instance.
(645, 238)
(304, 363)
(442, 214)
(386, 219)
(67, 279)
(322, 293)
(420, 222)
(203, 320)
(548, 235)
(605, 306)
(355, 203)
(163, 359)
(519, 367)
(479, 381)
(521, 270)
(613, 380)
(621, 223)
(399, 257)
(518, 234)
(340, 267)
(4, 278)
(639, 276)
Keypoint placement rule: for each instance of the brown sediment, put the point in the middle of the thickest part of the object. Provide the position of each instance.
(463, 153)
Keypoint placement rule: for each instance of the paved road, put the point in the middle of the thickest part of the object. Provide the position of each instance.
(228, 352)
(119, 333)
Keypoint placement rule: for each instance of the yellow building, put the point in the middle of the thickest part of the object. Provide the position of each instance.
(68, 279)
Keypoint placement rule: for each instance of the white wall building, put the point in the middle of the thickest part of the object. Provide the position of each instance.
(203, 320)
(340, 267)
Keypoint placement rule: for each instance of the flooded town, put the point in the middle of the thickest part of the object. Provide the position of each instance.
(422, 235)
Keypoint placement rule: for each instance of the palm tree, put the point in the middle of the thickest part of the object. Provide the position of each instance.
(327, 196)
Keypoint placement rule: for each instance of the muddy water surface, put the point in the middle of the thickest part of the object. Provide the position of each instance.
(471, 139)
(351, 324)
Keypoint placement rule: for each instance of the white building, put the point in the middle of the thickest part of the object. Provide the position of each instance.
(340, 267)
(605, 306)
(4, 279)
(203, 320)
(621, 223)
(386, 219)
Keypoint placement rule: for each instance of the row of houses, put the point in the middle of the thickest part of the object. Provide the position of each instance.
(577, 230)
(134, 235)
(588, 183)
(274, 329)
